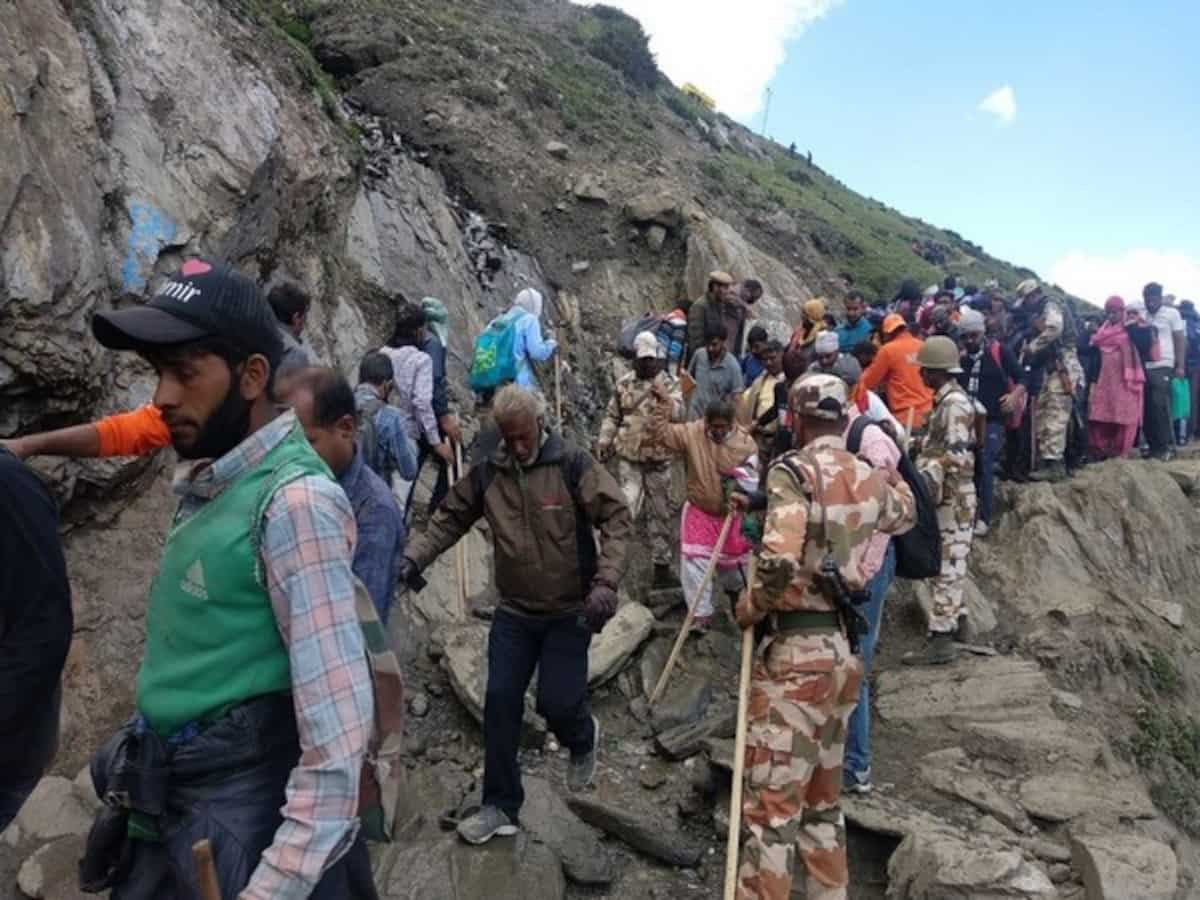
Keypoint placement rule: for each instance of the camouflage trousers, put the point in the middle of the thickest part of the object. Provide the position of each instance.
(956, 520)
(647, 486)
(1053, 416)
(802, 693)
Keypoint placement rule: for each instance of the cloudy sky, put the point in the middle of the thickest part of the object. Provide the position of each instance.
(1064, 136)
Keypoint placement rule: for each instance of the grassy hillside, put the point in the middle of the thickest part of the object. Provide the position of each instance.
(480, 86)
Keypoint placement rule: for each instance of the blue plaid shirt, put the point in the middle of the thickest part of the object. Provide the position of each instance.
(381, 534)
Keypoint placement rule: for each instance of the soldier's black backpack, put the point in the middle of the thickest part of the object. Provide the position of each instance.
(919, 551)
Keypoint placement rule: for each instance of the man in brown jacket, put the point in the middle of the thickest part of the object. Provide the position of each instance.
(543, 499)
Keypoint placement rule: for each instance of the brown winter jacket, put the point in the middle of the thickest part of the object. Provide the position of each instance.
(542, 530)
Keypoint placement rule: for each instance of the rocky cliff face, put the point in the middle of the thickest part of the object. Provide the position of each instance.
(464, 150)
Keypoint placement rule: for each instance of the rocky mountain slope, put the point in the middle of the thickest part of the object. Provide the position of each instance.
(462, 150)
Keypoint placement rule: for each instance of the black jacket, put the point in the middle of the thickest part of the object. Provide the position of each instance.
(35, 620)
(993, 379)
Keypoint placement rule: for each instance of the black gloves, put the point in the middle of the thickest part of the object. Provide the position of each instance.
(410, 575)
(600, 606)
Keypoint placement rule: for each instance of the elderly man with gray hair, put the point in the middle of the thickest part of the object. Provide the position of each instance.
(544, 499)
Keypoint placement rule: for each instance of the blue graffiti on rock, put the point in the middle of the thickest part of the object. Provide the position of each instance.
(151, 230)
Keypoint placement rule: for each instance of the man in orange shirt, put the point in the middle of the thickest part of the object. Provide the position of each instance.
(895, 367)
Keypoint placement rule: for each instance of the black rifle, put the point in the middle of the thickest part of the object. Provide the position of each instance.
(846, 602)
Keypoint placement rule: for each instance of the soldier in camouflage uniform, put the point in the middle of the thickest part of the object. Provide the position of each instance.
(644, 467)
(822, 501)
(1062, 374)
(947, 462)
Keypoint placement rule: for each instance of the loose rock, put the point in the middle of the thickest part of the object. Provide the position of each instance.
(590, 188)
(558, 149)
(54, 810)
(1124, 866)
(612, 647)
(654, 838)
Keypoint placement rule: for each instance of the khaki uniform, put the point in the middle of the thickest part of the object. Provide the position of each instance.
(1054, 401)
(947, 461)
(805, 683)
(644, 467)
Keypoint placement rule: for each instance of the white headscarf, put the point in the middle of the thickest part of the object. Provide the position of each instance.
(530, 300)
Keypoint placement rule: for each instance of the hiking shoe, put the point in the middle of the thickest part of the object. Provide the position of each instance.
(982, 528)
(581, 770)
(663, 579)
(857, 782)
(1053, 472)
(939, 651)
(486, 824)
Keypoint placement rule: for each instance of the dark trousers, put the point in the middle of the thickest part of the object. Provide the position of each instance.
(558, 648)
(1157, 416)
(985, 469)
(440, 488)
(1194, 380)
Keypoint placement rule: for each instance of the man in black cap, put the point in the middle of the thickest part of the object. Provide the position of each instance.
(254, 698)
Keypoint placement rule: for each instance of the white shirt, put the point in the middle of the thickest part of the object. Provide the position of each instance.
(1167, 323)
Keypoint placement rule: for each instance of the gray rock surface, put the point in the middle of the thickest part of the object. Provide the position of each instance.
(54, 810)
(1121, 866)
(547, 819)
(1066, 795)
(683, 702)
(943, 867)
(517, 868)
(653, 837)
(52, 872)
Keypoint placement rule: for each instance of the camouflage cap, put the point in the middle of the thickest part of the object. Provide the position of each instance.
(819, 397)
(1026, 287)
(720, 278)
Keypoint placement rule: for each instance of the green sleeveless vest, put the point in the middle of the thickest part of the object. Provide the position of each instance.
(212, 641)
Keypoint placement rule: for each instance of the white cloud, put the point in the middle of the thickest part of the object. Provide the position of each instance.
(729, 51)
(1001, 103)
(1096, 278)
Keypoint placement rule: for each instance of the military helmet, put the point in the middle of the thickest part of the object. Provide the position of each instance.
(939, 352)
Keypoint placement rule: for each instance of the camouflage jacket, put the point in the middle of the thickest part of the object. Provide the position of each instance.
(810, 514)
(948, 451)
(1067, 360)
(627, 422)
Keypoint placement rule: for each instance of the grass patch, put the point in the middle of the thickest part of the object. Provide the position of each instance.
(1167, 749)
(1164, 673)
(687, 108)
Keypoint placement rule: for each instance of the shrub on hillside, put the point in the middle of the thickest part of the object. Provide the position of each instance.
(620, 41)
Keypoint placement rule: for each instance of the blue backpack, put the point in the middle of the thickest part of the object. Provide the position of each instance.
(494, 362)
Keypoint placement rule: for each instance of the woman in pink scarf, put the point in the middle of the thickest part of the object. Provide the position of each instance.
(1115, 410)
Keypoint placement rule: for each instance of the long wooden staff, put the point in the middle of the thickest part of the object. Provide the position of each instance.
(739, 752)
(691, 613)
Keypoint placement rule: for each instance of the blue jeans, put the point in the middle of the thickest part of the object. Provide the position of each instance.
(858, 738)
(985, 472)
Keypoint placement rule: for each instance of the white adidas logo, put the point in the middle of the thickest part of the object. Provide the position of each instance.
(193, 581)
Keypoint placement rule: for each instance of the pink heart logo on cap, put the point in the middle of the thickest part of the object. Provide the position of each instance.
(195, 267)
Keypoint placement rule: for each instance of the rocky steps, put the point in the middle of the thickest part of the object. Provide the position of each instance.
(1067, 764)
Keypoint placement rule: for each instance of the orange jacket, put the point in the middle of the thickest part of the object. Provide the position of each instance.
(896, 367)
(135, 433)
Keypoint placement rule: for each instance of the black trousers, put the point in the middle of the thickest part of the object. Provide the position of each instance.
(558, 648)
(1157, 417)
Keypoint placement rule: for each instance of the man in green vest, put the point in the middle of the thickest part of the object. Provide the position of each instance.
(254, 698)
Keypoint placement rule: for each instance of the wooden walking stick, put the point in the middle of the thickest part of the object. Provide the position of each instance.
(739, 752)
(691, 613)
(558, 392)
(206, 870)
(460, 549)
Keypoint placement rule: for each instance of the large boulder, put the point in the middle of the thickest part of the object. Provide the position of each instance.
(946, 867)
(1124, 866)
(52, 872)
(1064, 794)
(54, 810)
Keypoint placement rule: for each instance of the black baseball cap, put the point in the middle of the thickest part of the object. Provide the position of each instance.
(205, 298)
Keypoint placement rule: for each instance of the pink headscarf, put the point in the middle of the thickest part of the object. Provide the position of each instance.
(1114, 304)
(1111, 336)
